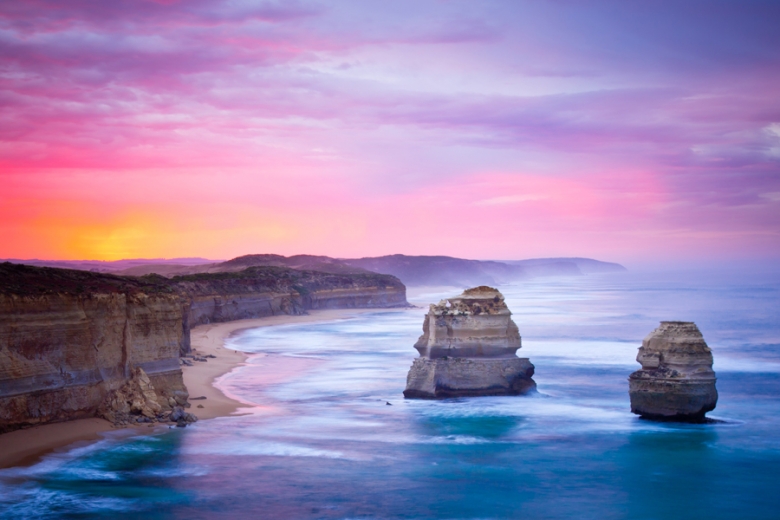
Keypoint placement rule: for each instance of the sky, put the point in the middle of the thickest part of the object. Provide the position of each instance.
(623, 131)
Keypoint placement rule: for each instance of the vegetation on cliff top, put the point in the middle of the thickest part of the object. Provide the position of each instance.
(25, 280)
(281, 279)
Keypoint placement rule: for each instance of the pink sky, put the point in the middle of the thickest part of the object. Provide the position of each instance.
(503, 130)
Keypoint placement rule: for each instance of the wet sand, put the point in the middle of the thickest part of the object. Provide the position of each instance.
(24, 447)
(210, 340)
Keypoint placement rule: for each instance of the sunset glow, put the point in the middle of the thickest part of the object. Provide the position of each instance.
(506, 130)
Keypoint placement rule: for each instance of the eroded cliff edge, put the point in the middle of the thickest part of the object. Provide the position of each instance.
(69, 340)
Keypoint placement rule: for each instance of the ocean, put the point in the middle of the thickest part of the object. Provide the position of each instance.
(338, 440)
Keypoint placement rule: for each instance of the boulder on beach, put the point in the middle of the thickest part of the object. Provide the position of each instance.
(676, 381)
(468, 348)
(137, 402)
(135, 398)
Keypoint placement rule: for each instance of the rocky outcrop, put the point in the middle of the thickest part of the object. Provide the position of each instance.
(676, 382)
(68, 338)
(468, 348)
(137, 401)
(136, 397)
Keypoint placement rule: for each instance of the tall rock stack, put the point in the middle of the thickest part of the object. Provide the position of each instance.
(468, 348)
(676, 382)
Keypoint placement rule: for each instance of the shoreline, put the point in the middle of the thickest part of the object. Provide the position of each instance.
(27, 446)
(201, 379)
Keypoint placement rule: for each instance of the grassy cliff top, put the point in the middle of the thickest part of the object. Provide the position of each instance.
(282, 279)
(25, 280)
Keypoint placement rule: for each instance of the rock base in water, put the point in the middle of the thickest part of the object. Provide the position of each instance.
(672, 401)
(462, 377)
(676, 382)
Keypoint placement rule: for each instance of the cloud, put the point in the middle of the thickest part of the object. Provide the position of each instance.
(508, 199)
(369, 104)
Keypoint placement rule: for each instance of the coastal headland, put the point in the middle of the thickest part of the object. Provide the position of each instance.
(70, 340)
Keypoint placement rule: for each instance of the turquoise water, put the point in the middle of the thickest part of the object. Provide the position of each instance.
(325, 444)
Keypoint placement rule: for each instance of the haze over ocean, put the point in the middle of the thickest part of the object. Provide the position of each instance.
(332, 448)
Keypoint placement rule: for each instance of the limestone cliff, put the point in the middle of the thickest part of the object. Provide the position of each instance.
(267, 291)
(67, 338)
(468, 348)
(676, 381)
(71, 341)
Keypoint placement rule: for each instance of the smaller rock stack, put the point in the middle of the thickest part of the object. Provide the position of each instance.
(676, 382)
(468, 348)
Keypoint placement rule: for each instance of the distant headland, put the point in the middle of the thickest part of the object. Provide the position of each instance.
(411, 270)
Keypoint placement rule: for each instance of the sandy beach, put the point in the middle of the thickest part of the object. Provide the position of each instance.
(210, 340)
(27, 446)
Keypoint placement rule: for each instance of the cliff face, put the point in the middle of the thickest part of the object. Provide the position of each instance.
(468, 348)
(676, 381)
(62, 350)
(267, 291)
(70, 340)
(213, 308)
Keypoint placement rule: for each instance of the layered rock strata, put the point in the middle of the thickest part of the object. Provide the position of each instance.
(676, 382)
(468, 348)
(257, 292)
(68, 338)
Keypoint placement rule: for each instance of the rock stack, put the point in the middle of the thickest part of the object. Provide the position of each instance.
(676, 382)
(468, 348)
